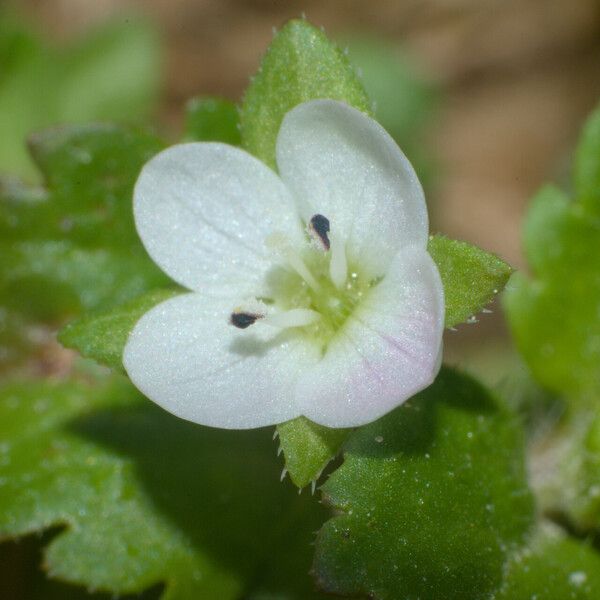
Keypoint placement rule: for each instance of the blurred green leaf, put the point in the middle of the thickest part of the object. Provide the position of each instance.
(103, 335)
(146, 498)
(212, 120)
(554, 316)
(308, 448)
(77, 240)
(403, 102)
(471, 277)
(553, 567)
(301, 64)
(431, 499)
(111, 73)
(587, 166)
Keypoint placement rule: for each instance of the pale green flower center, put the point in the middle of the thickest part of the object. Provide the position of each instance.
(334, 305)
(313, 291)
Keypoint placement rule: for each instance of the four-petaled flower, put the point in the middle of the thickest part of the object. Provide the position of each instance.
(312, 290)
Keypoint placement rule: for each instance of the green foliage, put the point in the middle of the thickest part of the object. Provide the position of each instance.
(554, 316)
(301, 64)
(111, 73)
(403, 102)
(432, 499)
(103, 335)
(471, 276)
(146, 498)
(587, 166)
(77, 240)
(553, 567)
(308, 448)
(212, 120)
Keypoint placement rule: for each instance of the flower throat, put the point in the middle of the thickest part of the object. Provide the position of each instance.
(316, 293)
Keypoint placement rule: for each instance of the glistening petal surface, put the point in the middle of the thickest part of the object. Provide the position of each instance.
(387, 351)
(340, 163)
(203, 212)
(185, 356)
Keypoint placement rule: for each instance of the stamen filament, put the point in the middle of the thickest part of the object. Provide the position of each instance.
(296, 317)
(298, 265)
(338, 264)
(280, 245)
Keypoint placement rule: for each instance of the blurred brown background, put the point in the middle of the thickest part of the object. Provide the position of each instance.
(517, 79)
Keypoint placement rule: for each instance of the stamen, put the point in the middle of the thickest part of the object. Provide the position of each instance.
(278, 243)
(248, 313)
(242, 320)
(297, 317)
(338, 265)
(318, 229)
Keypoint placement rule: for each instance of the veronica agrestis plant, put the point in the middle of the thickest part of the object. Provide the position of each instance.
(431, 500)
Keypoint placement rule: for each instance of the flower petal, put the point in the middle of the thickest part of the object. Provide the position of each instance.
(185, 356)
(387, 351)
(340, 163)
(203, 211)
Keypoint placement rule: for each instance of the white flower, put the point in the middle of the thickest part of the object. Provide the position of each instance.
(312, 291)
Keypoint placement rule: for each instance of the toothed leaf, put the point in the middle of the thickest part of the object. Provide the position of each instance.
(471, 277)
(431, 499)
(301, 64)
(144, 498)
(308, 448)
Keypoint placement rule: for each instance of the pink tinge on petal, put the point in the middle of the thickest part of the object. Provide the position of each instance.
(386, 352)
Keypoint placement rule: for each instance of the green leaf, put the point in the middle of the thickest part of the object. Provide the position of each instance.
(431, 499)
(308, 448)
(403, 101)
(587, 166)
(111, 73)
(79, 278)
(91, 170)
(212, 120)
(554, 315)
(553, 567)
(103, 335)
(471, 277)
(144, 498)
(77, 239)
(301, 64)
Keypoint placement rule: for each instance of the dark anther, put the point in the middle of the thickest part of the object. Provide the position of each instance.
(319, 225)
(242, 320)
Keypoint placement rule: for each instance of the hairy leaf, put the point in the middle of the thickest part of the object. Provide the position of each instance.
(301, 64)
(431, 499)
(145, 498)
(471, 277)
(308, 448)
